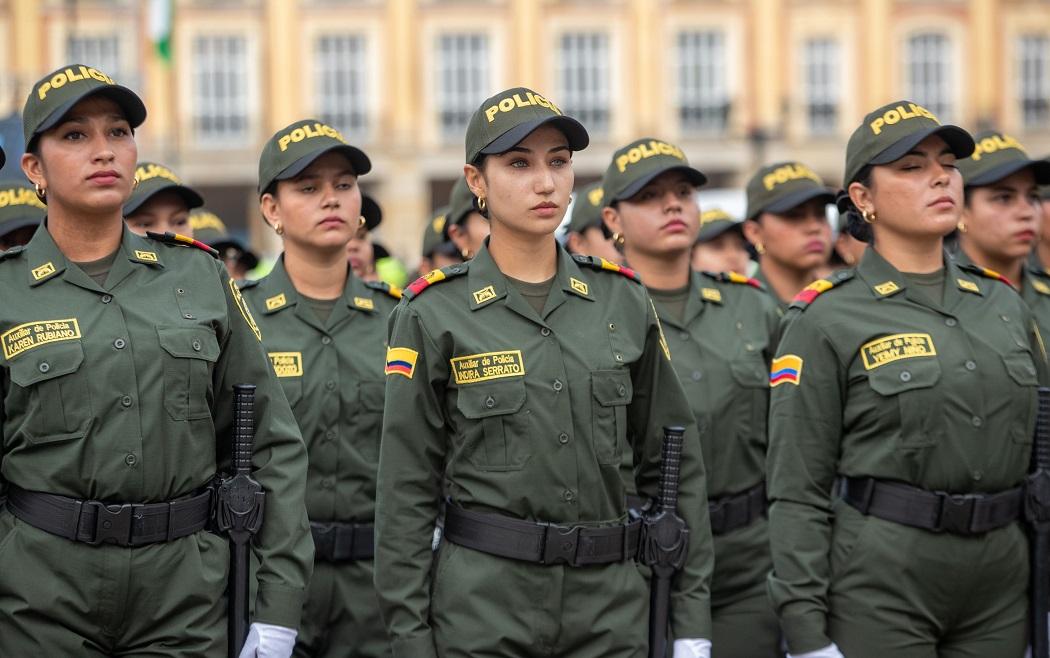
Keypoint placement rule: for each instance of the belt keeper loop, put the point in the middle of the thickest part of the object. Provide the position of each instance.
(78, 508)
(625, 543)
(170, 534)
(867, 492)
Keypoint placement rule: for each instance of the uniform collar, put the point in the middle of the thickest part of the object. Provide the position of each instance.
(884, 281)
(760, 276)
(702, 292)
(280, 294)
(47, 262)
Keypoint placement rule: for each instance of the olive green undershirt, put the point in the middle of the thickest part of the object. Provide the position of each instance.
(535, 294)
(322, 308)
(931, 285)
(671, 302)
(99, 269)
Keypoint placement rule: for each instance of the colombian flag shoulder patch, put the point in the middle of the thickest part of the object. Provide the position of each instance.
(786, 369)
(401, 361)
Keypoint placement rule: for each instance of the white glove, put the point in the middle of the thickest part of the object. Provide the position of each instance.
(692, 648)
(830, 651)
(269, 641)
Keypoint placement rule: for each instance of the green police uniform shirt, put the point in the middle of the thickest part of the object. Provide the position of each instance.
(332, 374)
(874, 380)
(1035, 291)
(721, 349)
(123, 392)
(526, 415)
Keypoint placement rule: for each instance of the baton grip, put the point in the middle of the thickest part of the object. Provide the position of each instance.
(670, 469)
(243, 427)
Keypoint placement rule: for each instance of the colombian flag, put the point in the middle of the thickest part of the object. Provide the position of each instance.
(401, 361)
(786, 369)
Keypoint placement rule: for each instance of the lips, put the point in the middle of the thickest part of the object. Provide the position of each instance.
(108, 177)
(675, 225)
(332, 221)
(545, 209)
(814, 246)
(944, 201)
(1025, 236)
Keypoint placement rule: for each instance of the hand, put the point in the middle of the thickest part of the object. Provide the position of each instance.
(830, 651)
(269, 641)
(692, 648)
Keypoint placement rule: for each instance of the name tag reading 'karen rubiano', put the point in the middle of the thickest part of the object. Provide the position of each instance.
(490, 365)
(896, 347)
(26, 336)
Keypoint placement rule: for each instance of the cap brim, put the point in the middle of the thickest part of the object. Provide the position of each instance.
(958, 140)
(192, 199)
(129, 101)
(247, 257)
(358, 160)
(573, 130)
(796, 199)
(1040, 168)
(694, 175)
(721, 229)
(379, 251)
(371, 212)
(17, 224)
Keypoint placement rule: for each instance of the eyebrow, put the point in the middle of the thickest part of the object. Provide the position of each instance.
(522, 149)
(304, 176)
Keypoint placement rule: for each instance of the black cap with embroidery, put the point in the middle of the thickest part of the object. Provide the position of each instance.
(294, 148)
(57, 92)
(716, 222)
(510, 116)
(19, 206)
(153, 179)
(211, 230)
(633, 166)
(779, 187)
(996, 156)
(891, 131)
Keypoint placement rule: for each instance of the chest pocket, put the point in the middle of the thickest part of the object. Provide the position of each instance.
(190, 354)
(612, 392)
(911, 385)
(1022, 371)
(497, 436)
(370, 418)
(58, 404)
(751, 374)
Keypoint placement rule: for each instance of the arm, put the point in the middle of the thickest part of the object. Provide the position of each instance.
(408, 493)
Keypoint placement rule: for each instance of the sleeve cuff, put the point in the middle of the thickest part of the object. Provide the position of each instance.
(420, 646)
(280, 606)
(805, 632)
(692, 620)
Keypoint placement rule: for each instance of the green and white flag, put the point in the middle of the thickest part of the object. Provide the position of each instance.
(160, 15)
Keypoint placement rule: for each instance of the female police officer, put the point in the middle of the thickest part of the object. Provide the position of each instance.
(324, 330)
(160, 203)
(914, 381)
(515, 384)
(119, 357)
(719, 330)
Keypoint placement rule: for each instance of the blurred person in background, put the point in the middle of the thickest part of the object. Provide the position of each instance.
(438, 250)
(466, 227)
(720, 244)
(211, 230)
(586, 233)
(21, 212)
(160, 202)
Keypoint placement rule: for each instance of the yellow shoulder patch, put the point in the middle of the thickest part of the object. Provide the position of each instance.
(44, 271)
(786, 369)
(276, 302)
(579, 286)
(711, 294)
(887, 288)
(364, 303)
(967, 285)
(148, 256)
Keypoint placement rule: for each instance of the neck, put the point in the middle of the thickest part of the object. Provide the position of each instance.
(84, 238)
(317, 274)
(1009, 267)
(523, 257)
(785, 281)
(910, 254)
(660, 271)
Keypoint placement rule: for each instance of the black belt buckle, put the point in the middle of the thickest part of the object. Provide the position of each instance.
(560, 545)
(956, 513)
(324, 540)
(112, 524)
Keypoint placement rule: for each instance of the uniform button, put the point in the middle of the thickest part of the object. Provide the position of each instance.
(563, 438)
(977, 475)
(188, 316)
(619, 357)
(326, 483)
(325, 340)
(490, 402)
(569, 495)
(905, 376)
(45, 366)
(970, 365)
(1004, 318)
(622, 391)
(545, 332)
(119, 343)
(697, 375)
(456, 269)
(131, 460)
(749, 347)
(739, 325)
(330, 385)
(105, 299)
(1030, 369)
(180, 291)
(126, 400)
(684, 335)
(976, 420)
(196, 346)
(612, 326)
(951, 322)
(557, 385)
(330, 435)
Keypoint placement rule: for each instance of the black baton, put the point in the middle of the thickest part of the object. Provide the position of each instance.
(240, 514)
(1037, 512)
(666, 539)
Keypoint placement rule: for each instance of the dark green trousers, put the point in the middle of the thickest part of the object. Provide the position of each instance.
(484, 606)
(909, 593)
(341, 616)
(61, 598)
(744, 622)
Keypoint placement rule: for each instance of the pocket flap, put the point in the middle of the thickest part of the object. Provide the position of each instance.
(189, 342)
(491, 398)
(905, 375)
(612, 388)
(46, 363)
(751, 372)
(1021, 368)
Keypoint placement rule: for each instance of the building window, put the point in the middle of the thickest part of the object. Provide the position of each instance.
(583, 79)
(341, 65)
(1034, 70)
(220, 82)
(703, 95)
(462, 80)
(821, 85)
(929, 75)
(100, 52)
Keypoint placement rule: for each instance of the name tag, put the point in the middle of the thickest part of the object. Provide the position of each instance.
(896, 347)
(491, 365)
(26, 336)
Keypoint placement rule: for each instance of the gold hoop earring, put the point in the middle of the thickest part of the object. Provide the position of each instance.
(961, 226)
(618, 239)
(869, 217)
(361, 221)
(278, 229)
(760, 248)
(482, 204)
(41, 191)
(134, 183)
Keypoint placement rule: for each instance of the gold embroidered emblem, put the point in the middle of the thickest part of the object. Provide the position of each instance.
(490, 365)
(579, 286)
(276, 302)
(44, 271)
(711, 294)
(887, 288)
(148, 256)
(1041, 287)
(27, 336)
(242, 306)
(365, 303)
(287, 364)
(968, 286)
(485, 294)
(888, 349)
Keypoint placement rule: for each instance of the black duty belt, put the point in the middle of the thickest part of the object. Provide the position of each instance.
(343, 542)
(735, 511)
(124, 524)
(957, 514)
(542, 543)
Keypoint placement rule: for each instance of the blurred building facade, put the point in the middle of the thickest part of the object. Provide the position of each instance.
(735, 82)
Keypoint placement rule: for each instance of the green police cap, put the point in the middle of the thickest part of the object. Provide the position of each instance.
(716, 222)
(891, 131)
(371, 211)
(779, 187)
(634, 165)
(153, 179)
(587, 209)
(434, 232)
(57, 92)
(996, 156)
(211, 230)
(293, 148)
(19, 206)
(460, 203)
(510, 116)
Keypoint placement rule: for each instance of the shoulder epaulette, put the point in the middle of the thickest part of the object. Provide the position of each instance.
(244, 284)
(430, 278)
(12, 252)
(383, 286)
(601, 264)
(819, 287)
(733, 277)
(987, 273)
(174, 238)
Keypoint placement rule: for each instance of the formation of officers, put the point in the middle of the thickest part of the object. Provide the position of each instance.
(459, 469)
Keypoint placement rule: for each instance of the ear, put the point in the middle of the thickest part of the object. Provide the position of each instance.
(33, 168)
(458, 236)
(476, 181)
(861, 197)
(612, 219)
(573, 242)
(271, 210)
(752, 231)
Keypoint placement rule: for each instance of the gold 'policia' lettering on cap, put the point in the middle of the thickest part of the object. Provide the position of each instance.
(643, 151)
(788, 173)
(514, 101)
(20, 196)
(994, 143)
(308, 131)
(595, 196)
(901, 113)
(68, 76)
(147, 172)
